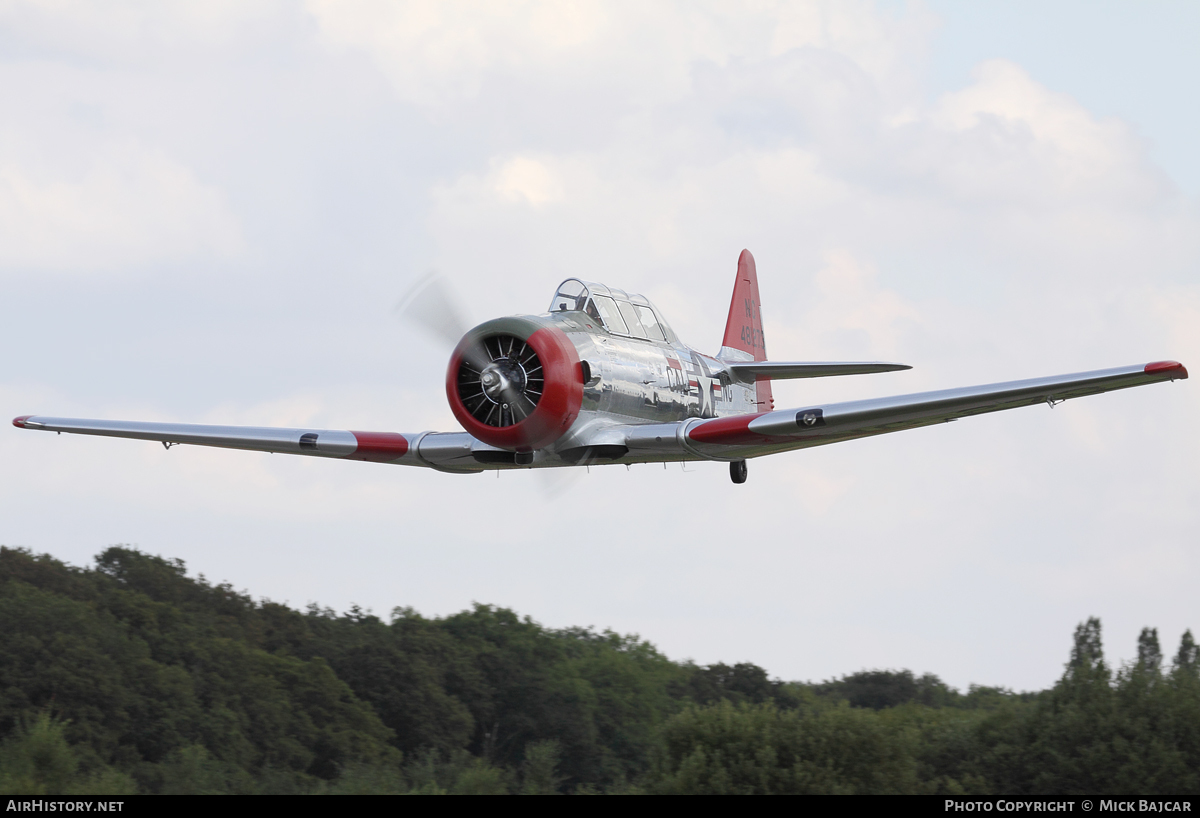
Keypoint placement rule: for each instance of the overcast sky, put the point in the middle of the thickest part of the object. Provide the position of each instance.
(209, 209)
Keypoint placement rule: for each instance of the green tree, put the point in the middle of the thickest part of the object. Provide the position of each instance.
(1093, 733)
(539, 770)
(480, 778)
(746, 749)
(143, 663)
(1187, 658)
(1149, 653)
(169, 684)
(36, 759)
(1087, 653)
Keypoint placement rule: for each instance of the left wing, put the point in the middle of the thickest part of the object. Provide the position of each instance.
(742, 436)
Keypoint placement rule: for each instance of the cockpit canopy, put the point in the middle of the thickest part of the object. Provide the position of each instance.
(621, 314)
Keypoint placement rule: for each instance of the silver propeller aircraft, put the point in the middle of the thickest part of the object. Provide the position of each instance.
(602, 378)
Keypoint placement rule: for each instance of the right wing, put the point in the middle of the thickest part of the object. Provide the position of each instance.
(445, 452)
(741, 436)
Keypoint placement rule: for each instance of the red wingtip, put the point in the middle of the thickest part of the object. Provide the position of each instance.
(20, 422)
(1177, 369)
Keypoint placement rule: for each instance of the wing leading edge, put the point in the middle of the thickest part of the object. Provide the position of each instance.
(781, 430)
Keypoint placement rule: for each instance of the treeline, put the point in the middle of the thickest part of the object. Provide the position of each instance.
(133, 677)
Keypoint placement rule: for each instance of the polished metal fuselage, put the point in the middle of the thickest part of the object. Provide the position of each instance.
(633, 381)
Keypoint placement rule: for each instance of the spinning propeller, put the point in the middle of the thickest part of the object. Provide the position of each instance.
(500, 379)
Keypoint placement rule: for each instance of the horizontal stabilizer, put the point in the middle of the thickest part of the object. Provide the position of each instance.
(750, 371)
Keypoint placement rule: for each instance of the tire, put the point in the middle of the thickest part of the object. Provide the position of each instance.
(738, 471)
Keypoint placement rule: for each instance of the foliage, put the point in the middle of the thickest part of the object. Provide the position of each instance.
(35, 759)
(539, 770)
(133, 677)
(757, 749)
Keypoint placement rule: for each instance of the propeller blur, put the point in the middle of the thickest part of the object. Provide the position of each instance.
(602, 378)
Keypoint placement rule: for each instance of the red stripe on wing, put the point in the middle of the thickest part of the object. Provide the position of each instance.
(379, 447)
(728, 431)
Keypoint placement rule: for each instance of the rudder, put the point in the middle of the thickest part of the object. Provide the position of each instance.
(744, 338)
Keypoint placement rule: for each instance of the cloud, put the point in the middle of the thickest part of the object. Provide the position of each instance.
(441, 54)
(1023, 140)
(437, 53)
(527, 180)
(130, 207)
(818, 493)
(85, 188)
(852, 316)
(129, 29)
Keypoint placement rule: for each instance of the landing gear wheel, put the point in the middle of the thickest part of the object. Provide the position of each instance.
(738, 471)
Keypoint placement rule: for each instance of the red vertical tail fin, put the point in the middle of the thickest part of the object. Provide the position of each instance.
(744, 338)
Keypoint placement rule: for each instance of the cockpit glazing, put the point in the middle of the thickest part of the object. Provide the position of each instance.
(630, 315)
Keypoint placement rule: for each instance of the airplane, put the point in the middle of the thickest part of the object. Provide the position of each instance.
(601, 378)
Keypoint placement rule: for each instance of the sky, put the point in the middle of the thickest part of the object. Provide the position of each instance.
(209, 210)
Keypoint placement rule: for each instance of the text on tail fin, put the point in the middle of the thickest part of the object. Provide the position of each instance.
(744, 337)
(743, 329)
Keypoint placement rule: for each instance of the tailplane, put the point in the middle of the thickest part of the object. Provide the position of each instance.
(744, 339)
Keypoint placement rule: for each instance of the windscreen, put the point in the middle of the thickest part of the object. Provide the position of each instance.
(571, 295)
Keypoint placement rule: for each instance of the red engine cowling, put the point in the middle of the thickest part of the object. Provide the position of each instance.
(515, 383)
